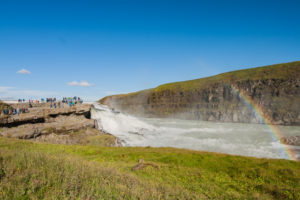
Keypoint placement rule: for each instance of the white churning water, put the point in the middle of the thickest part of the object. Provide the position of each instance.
(232, 138)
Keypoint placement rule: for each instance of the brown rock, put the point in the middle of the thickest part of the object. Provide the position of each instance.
(291, 140)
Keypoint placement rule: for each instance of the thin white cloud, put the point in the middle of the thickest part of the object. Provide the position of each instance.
(15, 93)
(23, 71)
(4, 89)
(80, 84)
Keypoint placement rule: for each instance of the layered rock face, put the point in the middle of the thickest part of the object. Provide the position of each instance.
(268, 94)
(65, 125)
(41, 113)
(291, 140)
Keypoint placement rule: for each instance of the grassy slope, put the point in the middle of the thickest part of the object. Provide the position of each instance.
(279, 71)
(35, 171)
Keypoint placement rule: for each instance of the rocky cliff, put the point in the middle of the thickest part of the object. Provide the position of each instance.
(268, 94)
(64, 125)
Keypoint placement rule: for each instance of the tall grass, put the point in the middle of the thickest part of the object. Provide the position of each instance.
(37, 175)
(43, 171)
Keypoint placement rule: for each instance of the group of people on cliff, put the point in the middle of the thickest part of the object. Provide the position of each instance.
(13, 111)
(65, 100)
(43, 100)
(70, 101)
(21, 100)
(49, 100)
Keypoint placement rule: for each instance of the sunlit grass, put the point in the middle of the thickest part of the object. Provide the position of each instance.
(35, 171)
(279, 71)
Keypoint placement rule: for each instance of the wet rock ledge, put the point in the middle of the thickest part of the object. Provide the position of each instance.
(291, 140)
(66, 125)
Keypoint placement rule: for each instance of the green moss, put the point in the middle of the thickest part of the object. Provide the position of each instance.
(39, 171)
(104, 140)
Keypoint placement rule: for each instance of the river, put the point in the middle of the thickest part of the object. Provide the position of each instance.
(256, 140)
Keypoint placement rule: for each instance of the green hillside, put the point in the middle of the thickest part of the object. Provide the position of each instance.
(274, 89)
(279, 71)
(43, 171)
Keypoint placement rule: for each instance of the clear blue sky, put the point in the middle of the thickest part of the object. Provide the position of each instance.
(125, 46)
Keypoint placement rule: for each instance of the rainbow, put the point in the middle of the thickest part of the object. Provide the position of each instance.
(289, 153)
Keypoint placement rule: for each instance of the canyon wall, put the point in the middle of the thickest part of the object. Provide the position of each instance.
(269, 94)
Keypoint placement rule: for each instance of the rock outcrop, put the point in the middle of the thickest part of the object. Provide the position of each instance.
(291, 140)
(41, 113)
(66, 125)
(58, 125)
(268, 94)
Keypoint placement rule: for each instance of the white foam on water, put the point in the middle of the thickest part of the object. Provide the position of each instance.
(232, 138)
(127, 128)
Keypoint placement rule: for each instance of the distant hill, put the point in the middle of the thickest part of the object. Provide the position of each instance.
(273, 90)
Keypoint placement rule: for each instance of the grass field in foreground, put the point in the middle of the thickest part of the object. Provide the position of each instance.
(46, 171)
